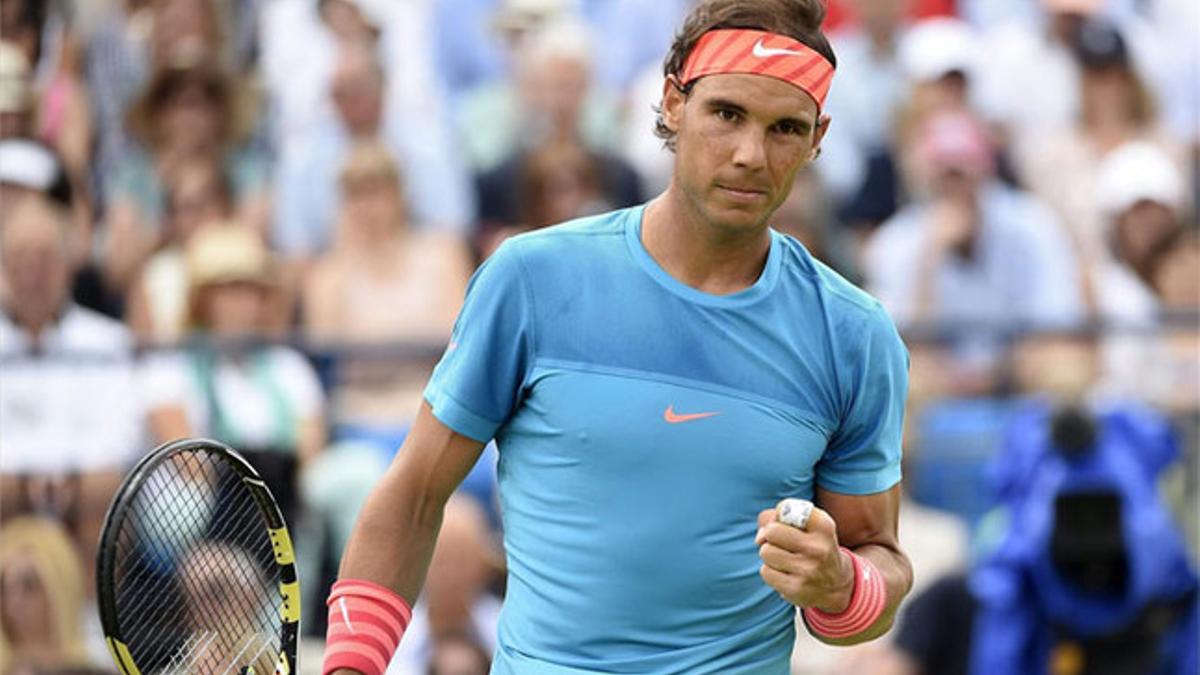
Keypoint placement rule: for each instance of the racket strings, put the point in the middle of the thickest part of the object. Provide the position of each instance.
(168, 526)
(197, 589)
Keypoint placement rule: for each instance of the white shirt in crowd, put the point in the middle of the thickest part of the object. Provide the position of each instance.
(72, 405)
(249, 407)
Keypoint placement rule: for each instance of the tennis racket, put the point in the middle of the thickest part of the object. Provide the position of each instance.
(195, 571)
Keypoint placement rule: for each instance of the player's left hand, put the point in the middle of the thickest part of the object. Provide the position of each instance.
(805, 566)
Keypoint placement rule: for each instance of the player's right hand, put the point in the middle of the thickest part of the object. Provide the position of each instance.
(806, 567)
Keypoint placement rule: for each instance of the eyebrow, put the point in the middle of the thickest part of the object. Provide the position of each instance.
(726, 104)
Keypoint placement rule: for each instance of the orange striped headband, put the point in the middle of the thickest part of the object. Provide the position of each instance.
(757, 52)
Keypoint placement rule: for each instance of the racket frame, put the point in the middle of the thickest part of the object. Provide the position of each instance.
(277, 531)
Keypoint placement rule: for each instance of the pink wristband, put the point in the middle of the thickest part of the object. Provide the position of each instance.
(867, 603)
(366, 622)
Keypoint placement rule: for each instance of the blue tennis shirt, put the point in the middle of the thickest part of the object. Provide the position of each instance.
(643, 424)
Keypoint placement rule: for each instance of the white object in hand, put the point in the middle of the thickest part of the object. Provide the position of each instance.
(795, 512)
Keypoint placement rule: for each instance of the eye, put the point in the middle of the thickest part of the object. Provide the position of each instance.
(726, 115)
(791, 128)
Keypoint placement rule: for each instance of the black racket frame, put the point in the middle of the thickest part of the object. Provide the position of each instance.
(273, 522)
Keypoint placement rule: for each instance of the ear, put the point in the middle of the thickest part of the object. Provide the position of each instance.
(673, 100)
(818, 134)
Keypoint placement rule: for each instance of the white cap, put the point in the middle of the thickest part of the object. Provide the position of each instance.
(28, 164)
(518, 15)
(1135, 172)
(934, 48)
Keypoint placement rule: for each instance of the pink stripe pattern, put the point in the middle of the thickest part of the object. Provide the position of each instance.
(753, 52)
(867, 603)
(366, 622)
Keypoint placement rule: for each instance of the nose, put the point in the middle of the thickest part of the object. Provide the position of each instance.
(750, 151)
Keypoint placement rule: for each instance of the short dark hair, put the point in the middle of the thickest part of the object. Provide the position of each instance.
(798, 19)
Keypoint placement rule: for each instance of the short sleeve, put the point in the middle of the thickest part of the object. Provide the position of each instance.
(477, 384)
(863, 456)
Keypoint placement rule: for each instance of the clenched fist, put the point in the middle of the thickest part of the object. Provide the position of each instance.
(805, 566)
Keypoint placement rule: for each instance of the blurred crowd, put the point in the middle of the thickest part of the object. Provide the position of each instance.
(255, 220)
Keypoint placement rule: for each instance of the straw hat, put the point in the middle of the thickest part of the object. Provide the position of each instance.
(225, 253)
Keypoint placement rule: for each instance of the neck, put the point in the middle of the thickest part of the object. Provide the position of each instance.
(35, 320)
(364, 130)
(699, 253)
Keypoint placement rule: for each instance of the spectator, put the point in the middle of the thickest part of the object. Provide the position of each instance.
(308, 188)
(550, 98)
(939, 59)
(858, 165)
(1033, 63)
(197, 195)
(71, 419)
(225, 598)
(41, 598)
(190, 109)
(552, 183)
(1116, 109)
(262, 399)
(44, 35)
(1145, 274)
(948, 256)
(28, 167)
(379, 262)
(474, 38)
(130, 40)
(1140, 195)
(16, 95)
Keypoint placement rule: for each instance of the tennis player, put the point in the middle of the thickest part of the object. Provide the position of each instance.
(657, 380)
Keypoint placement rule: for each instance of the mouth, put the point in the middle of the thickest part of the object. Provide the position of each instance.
(742, 194)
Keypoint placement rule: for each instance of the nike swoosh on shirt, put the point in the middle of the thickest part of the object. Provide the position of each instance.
(762, 51)
(674, 418)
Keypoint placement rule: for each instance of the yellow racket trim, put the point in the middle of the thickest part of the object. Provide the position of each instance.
(289, 611)
(121, 656)
(281, 543)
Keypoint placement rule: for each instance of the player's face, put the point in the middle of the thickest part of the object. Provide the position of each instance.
(740, 141)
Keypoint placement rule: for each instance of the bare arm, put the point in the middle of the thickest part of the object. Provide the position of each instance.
(868, 525)
(394, 538)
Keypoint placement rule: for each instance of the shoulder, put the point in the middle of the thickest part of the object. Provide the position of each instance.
(562, 245)
(855, 317)
(85, 329)
(288, 360)
(843, 296)
(1022, 214)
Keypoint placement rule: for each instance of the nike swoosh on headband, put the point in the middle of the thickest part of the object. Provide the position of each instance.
(762, 51)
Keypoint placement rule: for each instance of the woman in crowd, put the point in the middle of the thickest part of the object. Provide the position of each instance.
(382, 283)
(1116, 108)
(197, 195)
(191, 109)
(265, 400)
(41, 598)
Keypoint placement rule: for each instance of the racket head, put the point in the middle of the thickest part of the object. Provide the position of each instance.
(195, 569)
